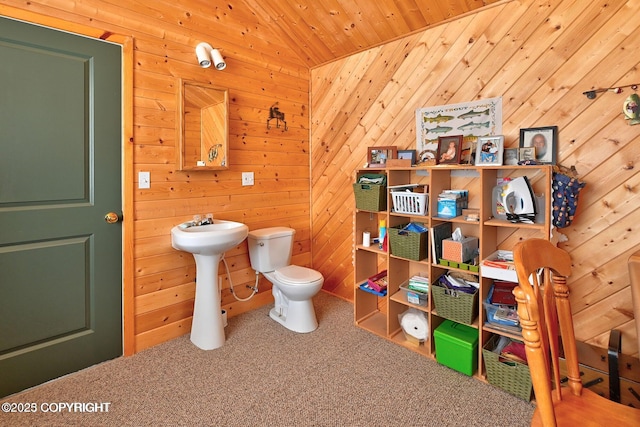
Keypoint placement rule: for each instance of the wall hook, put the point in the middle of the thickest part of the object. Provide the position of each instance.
(591, 94)
(274, 113)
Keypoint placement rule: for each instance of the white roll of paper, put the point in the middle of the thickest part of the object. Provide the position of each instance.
(366, 239)
(416, 325)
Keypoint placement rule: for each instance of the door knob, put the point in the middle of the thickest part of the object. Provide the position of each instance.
(112, 217)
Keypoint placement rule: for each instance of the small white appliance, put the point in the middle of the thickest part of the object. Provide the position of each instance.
(293, 287)
(519, 201)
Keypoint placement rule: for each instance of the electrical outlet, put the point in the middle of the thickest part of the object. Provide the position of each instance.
(247, 178)
(144, 180)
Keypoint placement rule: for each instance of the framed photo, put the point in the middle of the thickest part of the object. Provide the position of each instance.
(377, 156)
(528, 153)
(468, 151)
(489, 150)
(511, 156)
(408, 155)
(544, 140)
(449, 148)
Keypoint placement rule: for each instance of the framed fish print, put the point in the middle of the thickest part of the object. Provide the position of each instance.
(470, 119)
(544, 140)
(489, 150)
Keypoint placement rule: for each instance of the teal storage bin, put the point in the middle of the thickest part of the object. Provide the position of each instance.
(457, 346)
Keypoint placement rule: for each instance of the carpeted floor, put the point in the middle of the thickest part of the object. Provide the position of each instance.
(265, 375)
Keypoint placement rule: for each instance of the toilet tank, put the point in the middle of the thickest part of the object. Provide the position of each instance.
(270, 248)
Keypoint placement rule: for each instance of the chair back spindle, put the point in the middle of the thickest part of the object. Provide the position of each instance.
(542, 295)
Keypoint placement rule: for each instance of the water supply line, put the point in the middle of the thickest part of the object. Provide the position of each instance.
(254, 288)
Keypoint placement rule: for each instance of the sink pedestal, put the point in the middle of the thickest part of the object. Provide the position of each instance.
(207, 328)
(207, 243)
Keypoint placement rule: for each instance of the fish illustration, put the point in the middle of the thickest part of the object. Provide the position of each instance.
(631, 109)
(472, 125)
(440, 129)
(437, 119)
(470, 114)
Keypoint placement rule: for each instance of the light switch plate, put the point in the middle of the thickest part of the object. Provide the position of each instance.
(247, 178)
(144, 180)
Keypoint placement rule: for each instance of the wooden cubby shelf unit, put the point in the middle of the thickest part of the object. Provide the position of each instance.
(379, 314)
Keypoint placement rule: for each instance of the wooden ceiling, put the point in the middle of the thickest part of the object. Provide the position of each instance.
(321, 31)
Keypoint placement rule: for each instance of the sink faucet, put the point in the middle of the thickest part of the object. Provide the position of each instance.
(197, 220)
(208, 219)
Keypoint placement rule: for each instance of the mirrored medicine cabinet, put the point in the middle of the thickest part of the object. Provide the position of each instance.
(203, 127)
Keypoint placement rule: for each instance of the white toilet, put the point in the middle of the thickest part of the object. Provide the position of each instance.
(293, 286)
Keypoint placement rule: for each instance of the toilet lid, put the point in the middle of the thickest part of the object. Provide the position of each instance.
(293, 274)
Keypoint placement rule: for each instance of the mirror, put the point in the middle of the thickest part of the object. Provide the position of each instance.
(203, 131)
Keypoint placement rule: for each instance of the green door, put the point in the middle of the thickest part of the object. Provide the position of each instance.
(60, 173)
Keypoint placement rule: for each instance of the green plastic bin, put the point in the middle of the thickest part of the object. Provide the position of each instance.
(457, 346)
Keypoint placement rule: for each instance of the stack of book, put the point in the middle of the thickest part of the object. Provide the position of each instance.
(419, 283)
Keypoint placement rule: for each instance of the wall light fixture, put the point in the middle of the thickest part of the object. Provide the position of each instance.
(207, 54)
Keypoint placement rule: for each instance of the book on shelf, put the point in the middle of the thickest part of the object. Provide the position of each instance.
(439, 232)
(502, 293)
(505, 265)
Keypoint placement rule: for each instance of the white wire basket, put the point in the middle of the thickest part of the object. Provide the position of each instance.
(410, 203)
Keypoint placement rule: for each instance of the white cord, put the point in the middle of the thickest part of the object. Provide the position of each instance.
(254, 289)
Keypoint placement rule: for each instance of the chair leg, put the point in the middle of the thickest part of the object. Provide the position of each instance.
(615, 344)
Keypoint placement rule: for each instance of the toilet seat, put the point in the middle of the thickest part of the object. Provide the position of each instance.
(296, 275)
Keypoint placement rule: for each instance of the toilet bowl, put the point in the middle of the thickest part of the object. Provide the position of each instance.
(293, 287)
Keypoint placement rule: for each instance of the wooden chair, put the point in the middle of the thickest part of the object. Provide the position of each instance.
(543, 304)
(634, 275)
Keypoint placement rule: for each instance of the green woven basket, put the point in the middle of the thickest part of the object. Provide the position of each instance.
(457, 306)
(407, 244)
(370, 197)
(512, 377)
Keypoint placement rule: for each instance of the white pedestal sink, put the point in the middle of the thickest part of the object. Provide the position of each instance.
(207, 243)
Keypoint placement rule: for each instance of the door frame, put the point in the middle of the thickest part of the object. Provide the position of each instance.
(128, 321)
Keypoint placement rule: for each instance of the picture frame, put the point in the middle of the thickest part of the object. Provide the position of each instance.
(408, 155)
(468, 153)
(544, 140)
(528, 153)
(511, 156)
(449, 148)
(377, 156)
(489, 150)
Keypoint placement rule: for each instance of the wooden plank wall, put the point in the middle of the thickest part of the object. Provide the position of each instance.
(258, 74)
(539, 56)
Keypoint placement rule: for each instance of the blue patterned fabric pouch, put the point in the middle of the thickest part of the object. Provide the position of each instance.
(565, 191)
